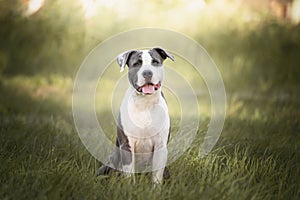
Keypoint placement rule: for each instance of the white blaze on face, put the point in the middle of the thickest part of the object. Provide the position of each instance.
(147, 59)
(158, 71)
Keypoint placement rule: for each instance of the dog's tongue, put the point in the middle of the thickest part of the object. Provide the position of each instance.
(148, 89)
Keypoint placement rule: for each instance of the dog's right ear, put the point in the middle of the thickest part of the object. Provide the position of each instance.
(123, 58)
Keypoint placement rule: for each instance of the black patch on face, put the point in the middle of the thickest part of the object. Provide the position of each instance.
(134, 63)
(159, 55)
(157, 59)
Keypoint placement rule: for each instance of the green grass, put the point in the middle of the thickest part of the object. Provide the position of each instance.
(42, 157)
(256, 157)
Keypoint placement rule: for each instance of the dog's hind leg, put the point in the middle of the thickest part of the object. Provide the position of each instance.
(127, 160)
(115, 158)
(112, 163)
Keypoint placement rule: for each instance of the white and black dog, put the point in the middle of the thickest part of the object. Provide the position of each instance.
(143, 127)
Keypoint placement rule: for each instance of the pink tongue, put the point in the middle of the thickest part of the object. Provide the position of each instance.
(148, 89)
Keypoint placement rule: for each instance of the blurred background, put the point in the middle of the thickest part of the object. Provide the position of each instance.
(254, 43)
(52, 36)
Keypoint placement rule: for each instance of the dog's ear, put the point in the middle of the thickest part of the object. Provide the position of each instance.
(163, 53)
(123, 58)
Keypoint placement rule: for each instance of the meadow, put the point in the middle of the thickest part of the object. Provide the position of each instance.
(256, 157)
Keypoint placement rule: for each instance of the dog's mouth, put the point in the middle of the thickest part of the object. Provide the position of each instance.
(149, 88)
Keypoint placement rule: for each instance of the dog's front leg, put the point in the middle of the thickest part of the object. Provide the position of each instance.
(160, 156)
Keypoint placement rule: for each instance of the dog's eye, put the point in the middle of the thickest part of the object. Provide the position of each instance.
(138, 63)
(155, 62)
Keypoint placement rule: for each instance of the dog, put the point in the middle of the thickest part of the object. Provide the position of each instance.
(143, 125)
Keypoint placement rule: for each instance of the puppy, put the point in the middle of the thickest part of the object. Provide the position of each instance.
(143, 127)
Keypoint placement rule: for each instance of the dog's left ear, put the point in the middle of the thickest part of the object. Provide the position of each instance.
(163, 53)
(123, 58)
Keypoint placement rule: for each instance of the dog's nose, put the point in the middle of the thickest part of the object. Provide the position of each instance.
(147, 74)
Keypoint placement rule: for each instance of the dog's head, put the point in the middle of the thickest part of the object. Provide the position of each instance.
(145, 68)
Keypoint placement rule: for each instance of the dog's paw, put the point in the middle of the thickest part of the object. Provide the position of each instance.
(157, 185)
(127, 175)
(167, 173)
(103, 170)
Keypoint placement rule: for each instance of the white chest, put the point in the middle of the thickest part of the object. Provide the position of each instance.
(144, 116)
